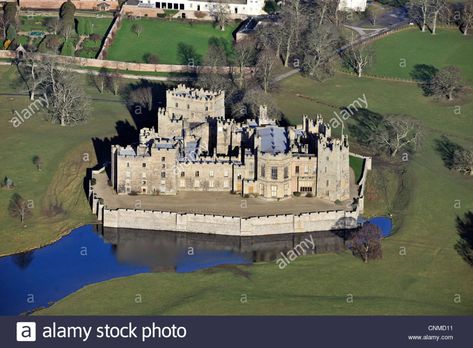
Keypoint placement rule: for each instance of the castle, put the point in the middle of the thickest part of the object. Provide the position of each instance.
(195, 148)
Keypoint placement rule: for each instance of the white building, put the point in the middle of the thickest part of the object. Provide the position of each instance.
(352, 5)
(234, 7)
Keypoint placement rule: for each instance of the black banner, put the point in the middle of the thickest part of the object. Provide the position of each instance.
(238, 332)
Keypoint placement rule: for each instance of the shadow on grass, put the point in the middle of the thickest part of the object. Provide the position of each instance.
(464, 246)
(446, 149)
(423, 74)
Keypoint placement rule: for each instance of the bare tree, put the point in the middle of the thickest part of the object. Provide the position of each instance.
(463, 161)
(447, 82)
(38, 162)
(373, 12)
(320, 43)
(30, 70)
(292, 22)
(366, 243)
(323, 9)
(244, 56)
(137, 28)
(467, 16)
(100, 79)
(264, 69)
(271, 37)
(220, 11)
(358, 56)
(67, 102)
(19, 207)
(398, 133)
(114, 82)
(142, 96)
(436, 6)
(419, 11)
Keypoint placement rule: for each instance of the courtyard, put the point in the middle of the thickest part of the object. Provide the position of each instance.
(219, 203)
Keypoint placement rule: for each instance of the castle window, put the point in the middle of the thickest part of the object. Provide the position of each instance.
(163, 175)
(181, 6)
(225, 173)
(297, 169)
(196, 173)
(306, 169)
(263, 171)
(286, 172)
(206, 108)
(163, 159)
(182, 183)
(163, 166)
(176, 6)
(143, 189)
(183, 174)
(239, 176)
(143, 175)
(328, 181)
(188, 106)
(196, 183)
(143, 165)
(306, 189)
(211, 183)
(325, 169)
(225, 183)
(143, 182)
(327, 158)
(261, 189)
(128, 174)
(274, 191)
(274, 173)
(128, 164)
(211, 173)
(177, 105)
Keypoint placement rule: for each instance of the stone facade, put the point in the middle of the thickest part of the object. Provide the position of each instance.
(352, 5)
(195, 148)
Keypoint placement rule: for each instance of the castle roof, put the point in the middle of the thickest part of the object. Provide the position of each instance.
(274, 140)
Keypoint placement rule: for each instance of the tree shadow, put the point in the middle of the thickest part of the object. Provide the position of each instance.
(464, 246)
(23, 260)
(188, 55)
(365, 126)
(447, 148)
(423, 74)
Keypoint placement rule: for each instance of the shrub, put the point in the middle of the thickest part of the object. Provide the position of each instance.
(93, 181)
(296, 194)
(151, 58)
(67, 48)
(338, 202)
(309, 194)
(246, 195)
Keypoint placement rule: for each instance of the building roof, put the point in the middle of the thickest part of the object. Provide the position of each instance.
(274, 140)
(239, 2)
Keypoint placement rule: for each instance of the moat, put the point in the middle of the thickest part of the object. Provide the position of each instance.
(91, 254)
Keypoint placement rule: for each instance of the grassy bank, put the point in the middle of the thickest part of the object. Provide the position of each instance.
(397, 55)
(420, 272)
(59, 183)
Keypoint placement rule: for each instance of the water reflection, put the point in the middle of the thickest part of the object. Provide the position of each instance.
(89, 255)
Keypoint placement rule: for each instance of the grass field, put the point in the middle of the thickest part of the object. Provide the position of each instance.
(162, 37)
(60, 181)
(412, 47)
(420, 272)
(357, 165)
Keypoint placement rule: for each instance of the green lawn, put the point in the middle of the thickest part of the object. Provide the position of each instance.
(356, 164)
(447, 47)
(424, 280)
(161, 37)
(60, 180)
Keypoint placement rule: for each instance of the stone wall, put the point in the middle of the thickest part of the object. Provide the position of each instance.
(227, 225)
(79, 4)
